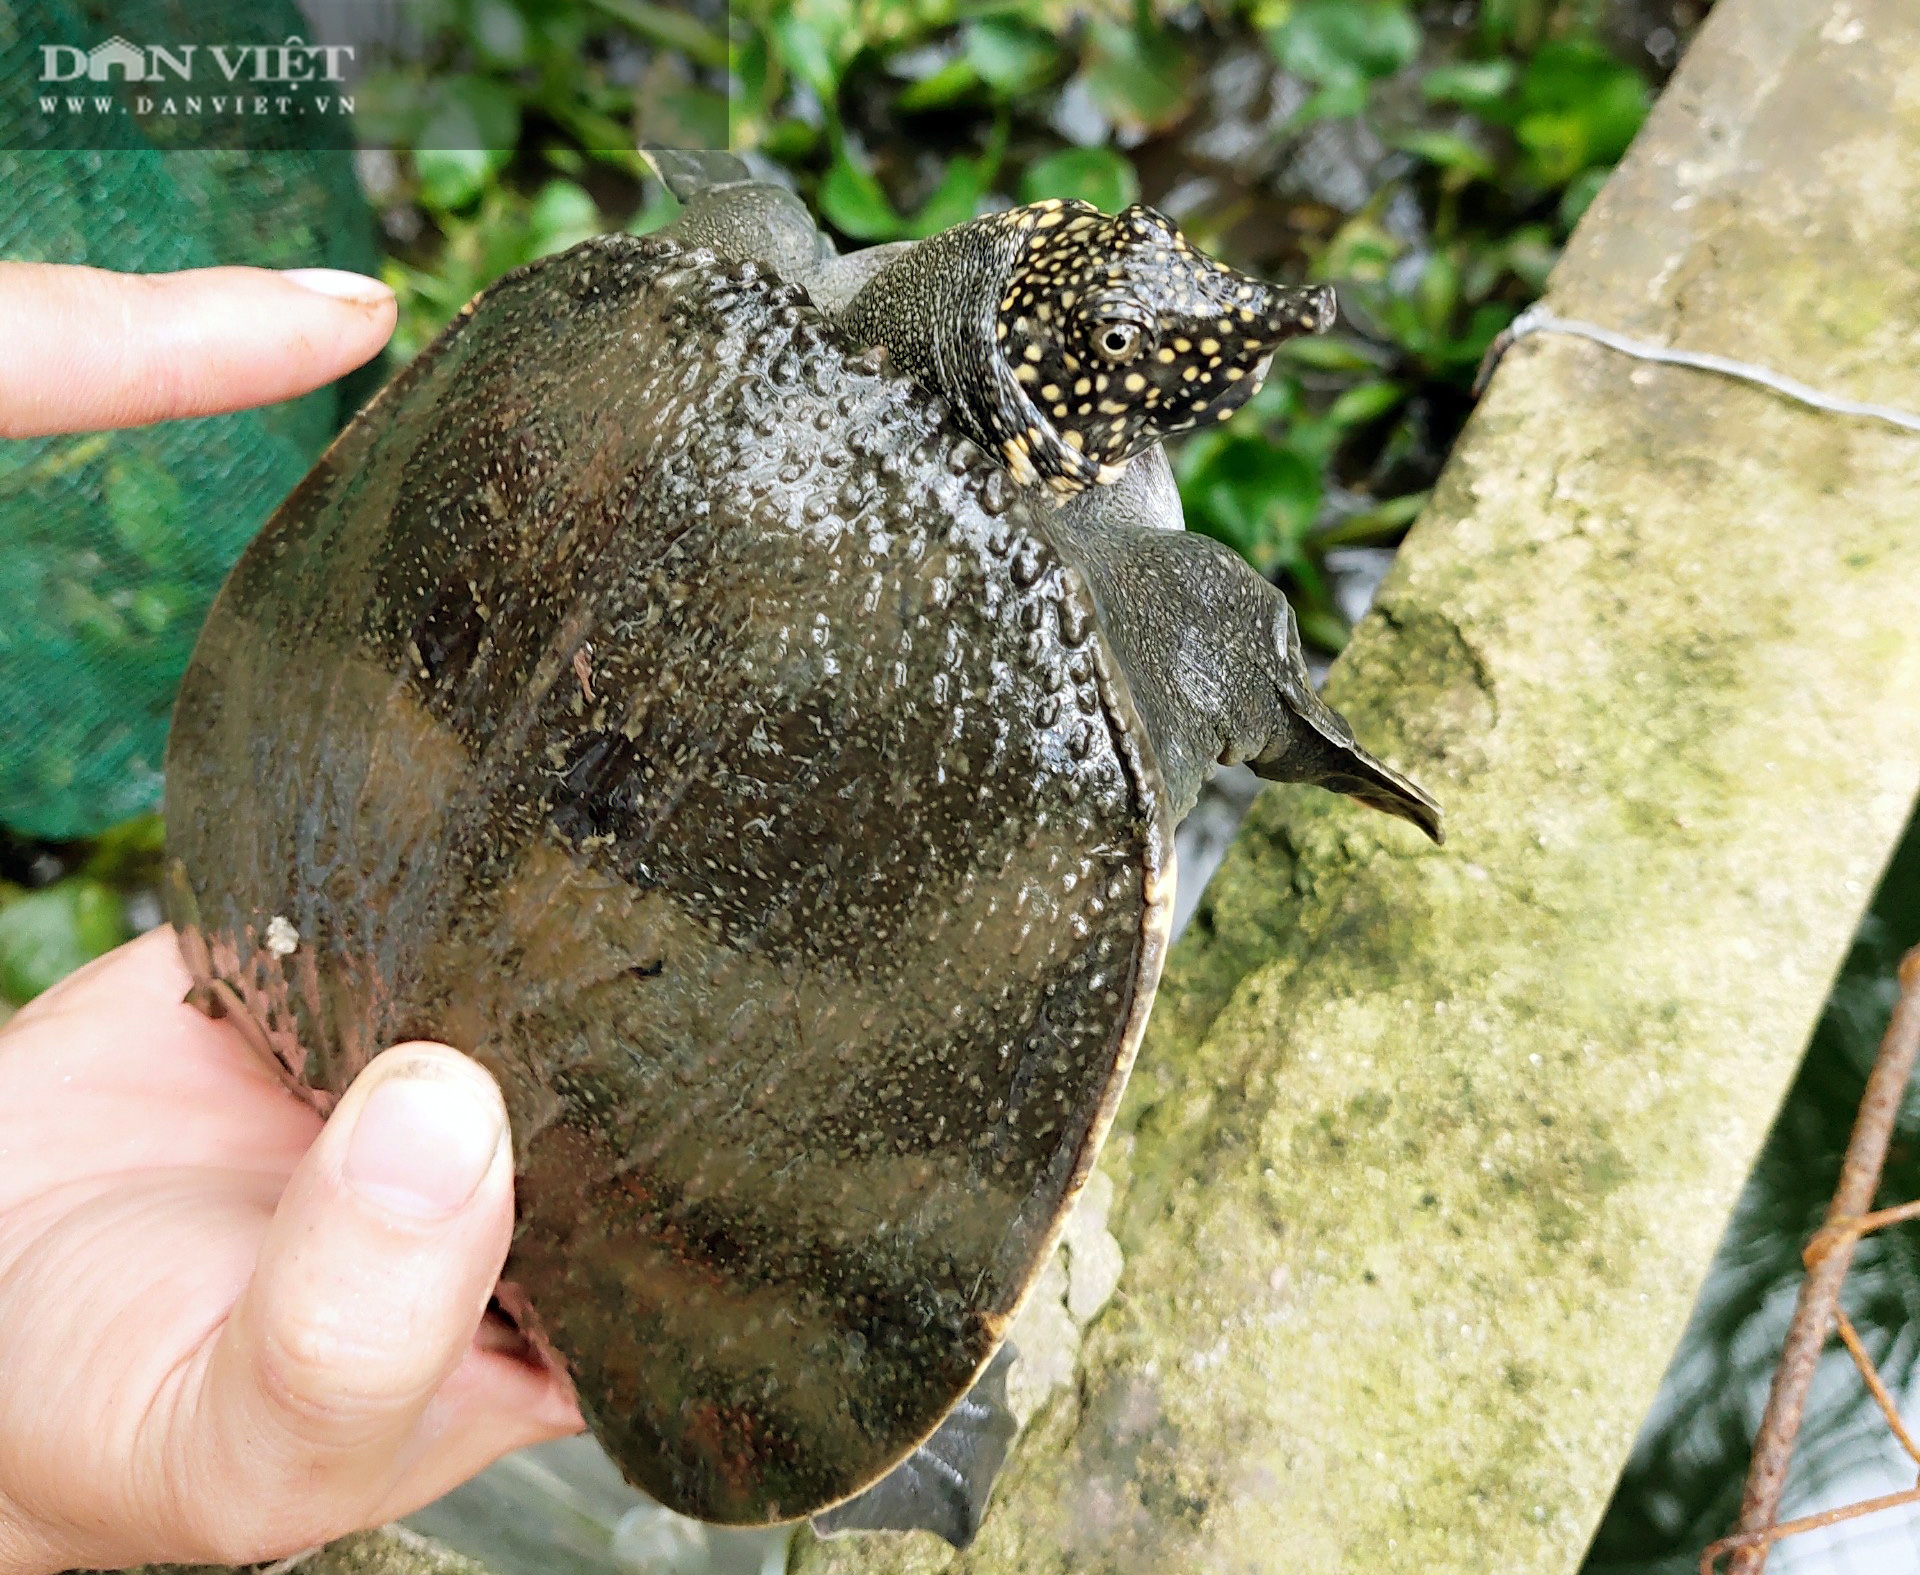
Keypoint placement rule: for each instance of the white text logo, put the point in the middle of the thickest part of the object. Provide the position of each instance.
(116, 60)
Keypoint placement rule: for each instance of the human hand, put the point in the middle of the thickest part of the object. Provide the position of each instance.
(228, 1333)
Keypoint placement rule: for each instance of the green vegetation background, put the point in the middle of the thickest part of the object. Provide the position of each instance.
(1428, 159)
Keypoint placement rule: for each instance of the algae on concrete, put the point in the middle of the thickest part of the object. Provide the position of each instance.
(1427, 1150)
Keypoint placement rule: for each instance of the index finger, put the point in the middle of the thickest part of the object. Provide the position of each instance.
(87, 349)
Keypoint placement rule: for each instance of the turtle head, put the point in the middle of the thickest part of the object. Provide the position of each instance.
(1114, 333)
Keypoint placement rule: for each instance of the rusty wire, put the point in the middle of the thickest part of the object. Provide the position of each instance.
(1828, 1257)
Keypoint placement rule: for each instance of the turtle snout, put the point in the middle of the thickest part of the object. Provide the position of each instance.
(1323, 310)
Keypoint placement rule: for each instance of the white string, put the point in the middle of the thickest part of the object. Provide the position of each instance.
(1537, 319)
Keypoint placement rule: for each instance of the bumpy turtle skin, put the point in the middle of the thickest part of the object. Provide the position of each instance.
(668, 708)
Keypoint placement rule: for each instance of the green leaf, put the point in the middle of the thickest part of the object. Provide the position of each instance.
(1368, 402)
(562, 215)
(1325, 628)
(1489, 320)
(1276, 399)
(145, 508)
(1531, 252)
(452, 178)
(1011, 56)
(952, 82)
(1579, 106)
(1403, 321)
(1324, 354)
(1449, 151)
(473, 113)
(499, 33)
(670, 26)
(46, 934)
(1579, 195)
(1314, 439)
(661, 208)
(1474, 84)
(956, 198)
(1556, 147)
(853, 200)
(750, 63)
(1096, 175)
(790, 140)
(1258, 499)
(1505, 23)
(389, 109)
(1137, 78)
(1310, 587)
(1335, 101)
(1437, 293)
(1380, 523)
(93, 620)
(1347, 41)
(806, 54)
(156, 608)
(1361, 249)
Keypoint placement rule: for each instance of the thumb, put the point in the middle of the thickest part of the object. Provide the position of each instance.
(371, 1281)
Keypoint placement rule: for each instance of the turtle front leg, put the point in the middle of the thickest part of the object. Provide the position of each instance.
(727, 210)
(943, 1485)
(1212, 654)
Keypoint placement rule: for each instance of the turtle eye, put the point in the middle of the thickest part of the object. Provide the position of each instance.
(1118, 341)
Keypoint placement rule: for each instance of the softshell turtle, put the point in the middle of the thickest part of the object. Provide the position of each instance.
(683, 706)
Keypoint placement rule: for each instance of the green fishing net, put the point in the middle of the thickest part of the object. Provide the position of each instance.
(113, 544)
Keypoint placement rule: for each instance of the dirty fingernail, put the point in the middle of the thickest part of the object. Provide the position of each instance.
(339, 284)
(422, 1144)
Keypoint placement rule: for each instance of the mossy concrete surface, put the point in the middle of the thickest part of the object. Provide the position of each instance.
(1428, 1149)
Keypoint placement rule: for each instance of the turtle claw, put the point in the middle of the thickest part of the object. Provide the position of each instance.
(688, 172)
(943, 1485)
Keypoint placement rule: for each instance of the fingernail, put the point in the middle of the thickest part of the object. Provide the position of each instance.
(423, 1143)
(339, 284)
